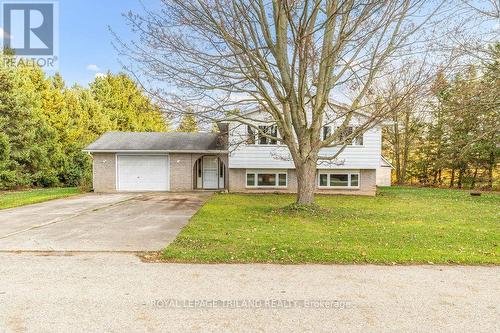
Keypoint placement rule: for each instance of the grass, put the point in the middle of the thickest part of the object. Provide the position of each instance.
(401, 225)
(15, 199)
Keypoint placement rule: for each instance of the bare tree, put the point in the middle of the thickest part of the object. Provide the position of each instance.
(480, 28)
(406, 95)
(487, 8)
(303, 63)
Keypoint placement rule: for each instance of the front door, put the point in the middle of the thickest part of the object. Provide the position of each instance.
(210, 172)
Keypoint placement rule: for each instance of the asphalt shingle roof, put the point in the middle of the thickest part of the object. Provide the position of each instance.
(161, 141)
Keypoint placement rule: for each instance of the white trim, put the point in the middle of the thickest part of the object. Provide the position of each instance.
(386, 161)
(336, 172)
(265, 145)
(256, 173)
(204, 179)
(199, 172)
(222, 175)
(161, 152)
(117, 185)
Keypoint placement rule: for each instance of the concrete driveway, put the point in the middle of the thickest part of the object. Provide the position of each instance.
(99, 222)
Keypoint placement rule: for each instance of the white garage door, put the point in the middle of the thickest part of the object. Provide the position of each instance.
(143, 173)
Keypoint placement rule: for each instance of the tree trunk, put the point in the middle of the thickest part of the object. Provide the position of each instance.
(434, 178)
(306, 181)
(397, 154)
(406, 150)
(474, 178)
(452, 181)
(460, 177)
(491, 166)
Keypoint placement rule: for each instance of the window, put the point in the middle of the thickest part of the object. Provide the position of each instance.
(357, 141)
(263, 139)
(221, 169)
(345, 133)
(354, 180)
(267, 179)
(282, 179)
(250, 135)
(265, 132)
(341, 180)
(250, 179)
(327, 131)
(323, 180)
(199, 167)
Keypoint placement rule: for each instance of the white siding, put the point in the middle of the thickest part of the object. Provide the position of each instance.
(271, 156)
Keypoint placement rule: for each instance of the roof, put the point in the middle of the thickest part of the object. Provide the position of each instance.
(385, 163)
(157, 141)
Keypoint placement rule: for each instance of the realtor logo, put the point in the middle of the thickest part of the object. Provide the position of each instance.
(31, 25)
(30, 31)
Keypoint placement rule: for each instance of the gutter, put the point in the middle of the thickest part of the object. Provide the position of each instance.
(155, 151)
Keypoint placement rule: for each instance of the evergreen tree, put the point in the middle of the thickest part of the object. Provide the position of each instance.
(188, 123)
(44, 125)
(126, 105)
(30, 138)
(215, 128)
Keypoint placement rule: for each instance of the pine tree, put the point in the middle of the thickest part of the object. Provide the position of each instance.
(44, 125)
(30, 138)
(215, 128)
(126, 105)
(188, 123)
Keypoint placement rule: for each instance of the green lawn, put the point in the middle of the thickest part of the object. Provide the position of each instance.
(400, 225)
(21, 198)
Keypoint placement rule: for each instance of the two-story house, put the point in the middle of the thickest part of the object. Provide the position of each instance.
(237, 159)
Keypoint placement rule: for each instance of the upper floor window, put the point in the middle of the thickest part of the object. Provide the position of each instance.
(250, 135)
(267, 134)
(327, 131)
(263, 136)
(357, 141)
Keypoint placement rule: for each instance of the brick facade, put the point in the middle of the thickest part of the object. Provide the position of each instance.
(182, 173)
(182, 177)
(237, 180)
(104, 172)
